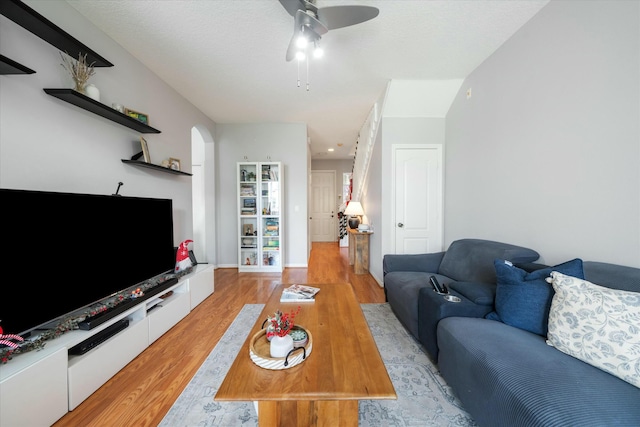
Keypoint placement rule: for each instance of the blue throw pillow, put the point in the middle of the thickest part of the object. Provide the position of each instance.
(523, 299)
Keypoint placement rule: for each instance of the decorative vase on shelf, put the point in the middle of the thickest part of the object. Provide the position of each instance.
(281, 346)
(79, 70)
(92, 92)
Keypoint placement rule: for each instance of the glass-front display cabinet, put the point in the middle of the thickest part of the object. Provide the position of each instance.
(260, 245)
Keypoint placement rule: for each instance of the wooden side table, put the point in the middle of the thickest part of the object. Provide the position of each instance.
(359, 250)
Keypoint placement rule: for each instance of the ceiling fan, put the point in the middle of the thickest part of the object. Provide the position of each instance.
(311, 22)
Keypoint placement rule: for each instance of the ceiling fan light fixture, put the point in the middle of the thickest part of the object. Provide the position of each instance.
(302, 40)
(310, 23)
(318, 52)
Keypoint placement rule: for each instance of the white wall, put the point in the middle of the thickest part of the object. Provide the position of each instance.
(375, 204)
(47, 144)
(395, 130)
(546, 152)
(262, 142)
(420, 98)
(401, 123)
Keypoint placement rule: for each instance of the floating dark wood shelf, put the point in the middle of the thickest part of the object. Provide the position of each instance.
(32, 21)
(9, 66)
(156, 167)
(80, 100)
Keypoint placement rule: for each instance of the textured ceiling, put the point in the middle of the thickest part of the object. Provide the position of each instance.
(227, 57)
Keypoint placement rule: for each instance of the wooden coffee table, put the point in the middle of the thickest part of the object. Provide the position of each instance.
(344, 366)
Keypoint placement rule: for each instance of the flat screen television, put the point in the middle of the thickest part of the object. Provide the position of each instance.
(65, 251)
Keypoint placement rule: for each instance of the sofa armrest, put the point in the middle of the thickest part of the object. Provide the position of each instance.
(427, 263)
(477, 293)
(433, 307)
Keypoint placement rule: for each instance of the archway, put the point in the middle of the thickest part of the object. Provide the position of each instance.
(203, 194)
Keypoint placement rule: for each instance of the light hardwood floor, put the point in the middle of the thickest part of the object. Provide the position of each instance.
(142, 392)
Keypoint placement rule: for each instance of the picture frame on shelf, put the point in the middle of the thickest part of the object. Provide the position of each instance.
(174, 164)
(248, 229)
(145, 150)
(141, 117)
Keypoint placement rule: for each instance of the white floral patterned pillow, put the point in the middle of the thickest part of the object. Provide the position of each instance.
(598, 325)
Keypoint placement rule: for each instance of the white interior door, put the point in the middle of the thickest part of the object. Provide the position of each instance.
(322, 221)
(417, 198)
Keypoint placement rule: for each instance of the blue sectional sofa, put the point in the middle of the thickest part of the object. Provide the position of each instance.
(506, 375)
(466, 268)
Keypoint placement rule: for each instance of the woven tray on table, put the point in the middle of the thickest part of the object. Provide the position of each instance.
(260, 353)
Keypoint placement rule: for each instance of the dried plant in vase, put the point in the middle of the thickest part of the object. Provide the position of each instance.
(79, 69)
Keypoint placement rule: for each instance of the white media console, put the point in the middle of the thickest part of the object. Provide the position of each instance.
(39, 387)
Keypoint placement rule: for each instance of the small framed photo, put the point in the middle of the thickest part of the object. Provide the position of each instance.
(248, 229)
(145, 150)
(174, 164)
(144, 118)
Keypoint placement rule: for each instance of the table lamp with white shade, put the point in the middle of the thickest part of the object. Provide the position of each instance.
(354, 211)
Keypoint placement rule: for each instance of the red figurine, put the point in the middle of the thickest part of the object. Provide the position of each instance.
(182, 257)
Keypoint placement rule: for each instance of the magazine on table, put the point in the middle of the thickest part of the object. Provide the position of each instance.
(299, 293)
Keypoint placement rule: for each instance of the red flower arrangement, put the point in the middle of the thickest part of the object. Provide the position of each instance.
(281, 323)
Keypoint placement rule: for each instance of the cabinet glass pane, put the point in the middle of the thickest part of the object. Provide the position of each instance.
(271, 241)
(247, 173)
(270, 190)
(271, 258)
(249, 228)
(249, 257)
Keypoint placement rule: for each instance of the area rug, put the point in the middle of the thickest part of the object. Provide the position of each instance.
(424, 399)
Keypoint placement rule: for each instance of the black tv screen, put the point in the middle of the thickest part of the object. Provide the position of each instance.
(65, 251)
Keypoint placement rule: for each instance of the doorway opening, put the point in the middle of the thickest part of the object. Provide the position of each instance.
(203, 194)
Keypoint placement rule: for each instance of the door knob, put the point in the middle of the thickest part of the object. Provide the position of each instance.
(400, 225)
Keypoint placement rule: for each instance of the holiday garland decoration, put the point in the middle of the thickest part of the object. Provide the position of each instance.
(6, 339)
(70, 322)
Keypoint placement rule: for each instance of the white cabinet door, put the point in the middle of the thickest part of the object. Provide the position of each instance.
(37, 395)
(90, 371)
(201, 284)
(168, 313)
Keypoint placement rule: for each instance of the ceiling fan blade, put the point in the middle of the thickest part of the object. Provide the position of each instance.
(310, 22)
(343, 16)
(292, 6)
(291, 50)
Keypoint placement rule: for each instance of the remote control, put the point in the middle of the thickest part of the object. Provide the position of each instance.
(441, 289)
